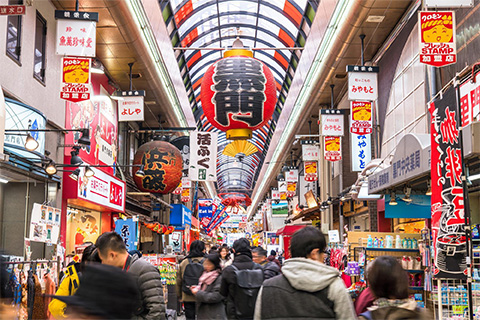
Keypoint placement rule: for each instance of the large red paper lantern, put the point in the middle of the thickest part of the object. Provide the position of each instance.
(162, 164)
(238, 94)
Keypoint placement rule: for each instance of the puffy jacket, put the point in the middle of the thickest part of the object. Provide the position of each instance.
(406, 311)
(181, 271)
(151, 289)
(210, 303)
(270, 269)
(67, 287)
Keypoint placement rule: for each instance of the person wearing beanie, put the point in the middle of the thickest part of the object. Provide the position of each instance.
(273, 258)
(210, 303)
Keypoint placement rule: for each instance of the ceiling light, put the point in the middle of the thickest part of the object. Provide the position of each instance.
(474, 177)
(375, 19)
(98, 70)
(75, 160)
(85, 138)
(89, 172)
(343, 198)
(150, 102)
(140, 173)
(393, 201)
(51, 169)
(353, 190)
(234, 182)
(408, 192)
(74, 174)
(30, 143)
(280, 177)
(3, 180)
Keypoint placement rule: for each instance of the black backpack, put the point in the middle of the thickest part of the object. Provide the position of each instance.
(192, 273)
(249, 282)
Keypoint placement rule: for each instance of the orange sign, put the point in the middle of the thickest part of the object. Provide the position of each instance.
(332, 147)
(75, 79)
(310, 170)
(291, 189)
(437, 38)
(361, 122)
(185, 195)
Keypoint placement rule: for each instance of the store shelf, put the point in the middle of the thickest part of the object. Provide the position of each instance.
(415, 271)
(416, 288)
(392, 249)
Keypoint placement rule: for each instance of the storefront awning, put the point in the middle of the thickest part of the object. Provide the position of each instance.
(289, 230)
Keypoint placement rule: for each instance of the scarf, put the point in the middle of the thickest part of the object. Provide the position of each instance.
(207, 279)
(383, 302)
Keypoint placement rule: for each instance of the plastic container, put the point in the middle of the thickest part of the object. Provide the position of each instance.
(398, 242)
(375, 243)
(369, 241)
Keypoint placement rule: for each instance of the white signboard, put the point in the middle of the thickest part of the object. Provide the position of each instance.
(332, 125)
(76, 37)
(282, 186)
(448, 3)
(131, 109)
(310, 152)
(45, 224)
(203, 156)
(470, 101)
(186, 183)
(361, 151)
(333, 236)
(102, 189)
(275, 195)
(291, 175)
(362, 86)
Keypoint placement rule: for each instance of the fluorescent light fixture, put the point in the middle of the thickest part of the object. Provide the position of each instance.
(97, 70)
(474, 177)
(3, 180)
(30, 143)
(375, 19)
(150, 102)
(117, 98)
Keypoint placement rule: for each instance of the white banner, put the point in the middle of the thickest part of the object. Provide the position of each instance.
(282, 186)
(186, 182)
(131, 109)
(310, 152)
(291, 175)
(275, 195)
(362, 86)
(76, 37)
(361, 151)
(203, 156)
(332, 125)
(45, 224)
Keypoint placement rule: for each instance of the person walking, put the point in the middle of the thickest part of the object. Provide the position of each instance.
(307, 288)
(389, 284)
(112, 251)
(210, 303)
(241, 282)
(273, 257)
(225, 258)
(188, 274)
(270, 268)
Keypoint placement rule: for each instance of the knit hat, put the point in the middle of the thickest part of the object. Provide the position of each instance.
(241, 245)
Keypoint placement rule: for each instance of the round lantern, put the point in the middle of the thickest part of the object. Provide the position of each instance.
(162, 165)
(238, 94)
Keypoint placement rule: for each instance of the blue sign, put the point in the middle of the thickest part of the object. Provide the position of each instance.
(419, 208)
(180, 216)
(127, 229)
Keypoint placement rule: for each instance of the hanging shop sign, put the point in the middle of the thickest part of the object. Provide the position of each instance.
(448, 3)
(75, 79)
(282, 186)
(332, 151)
(178, 190)
(291, 175)
(279, 209)
(185, 194)
(45, 224)
(76, 33)
(12, 10)
(162, 164)
(470, 100)
(205, 211)
(180, 216)
(332, 122)
(303, 188)
(186, 182)
(362, 83)
(275, 194)
(127, 229)
(310, 151)
(361, 151)
(102, 189)
(437, 38)
(310, 169)
(361, 117)
(238, 95)
(291, 189)
(131, 107)
(203, 156)
(183, 144)
(448, 222)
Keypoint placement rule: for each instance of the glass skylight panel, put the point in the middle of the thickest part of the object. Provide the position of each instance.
(277, 17)
(229, 6)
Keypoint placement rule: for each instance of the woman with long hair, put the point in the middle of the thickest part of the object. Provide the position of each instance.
(225, 259)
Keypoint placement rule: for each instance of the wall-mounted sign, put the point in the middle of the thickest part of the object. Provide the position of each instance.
(45, 224)
(76, 37)
(310, 169)
(310, 151)
(470, 100)
(331, 122)
(362, 83)
(275, 194)
(102, 189)
(131, 108)
(203, 156)
(291, 189)
(291, 175)
(361, 151)
(332, 151)
(75, 79)
(127, 229)
(361, 117)
(437, 38)
(12, 10)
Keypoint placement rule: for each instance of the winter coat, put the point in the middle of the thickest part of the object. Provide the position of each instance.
(274, 259)
(49, 291)
(225, 263)
(303, 275)
(210, 303)
(67, 287)
(364, 301)
(150, 287)
(270, 269)
(229, 281)
(406, 311)
(181, 271)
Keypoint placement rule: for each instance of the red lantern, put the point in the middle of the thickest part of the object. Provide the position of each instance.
(238, 94)
(162, 165)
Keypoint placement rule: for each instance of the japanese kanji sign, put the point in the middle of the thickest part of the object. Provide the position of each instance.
(75, 79)
(310, 151)
(203, 156)
(332, 148)
(361, 151)
(310, 168)
(362, 83)
(76, 38)
(186, 182)
(361, 117)
(470, 100)
(131, 109)
(275, 194)
(448, 222)
(185, 194)
(127, 229)
(12, 10)
(291, 189)
(331, 122)
(178, 190)
(291, 175)
(437, 38)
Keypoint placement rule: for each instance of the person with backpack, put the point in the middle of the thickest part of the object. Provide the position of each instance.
(389, 284)
(270, 268)
(188, 274)
(307, 288)
(210, 303)
(273, 257)
(241, 282)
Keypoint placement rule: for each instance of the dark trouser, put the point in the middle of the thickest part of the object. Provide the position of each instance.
(189, 310)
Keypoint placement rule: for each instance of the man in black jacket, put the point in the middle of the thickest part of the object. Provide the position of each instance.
(229, 288)
(270, 268)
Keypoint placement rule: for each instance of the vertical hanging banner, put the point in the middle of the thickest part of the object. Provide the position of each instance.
(127, 229)
(205, 211)
(362, 83)
(332, 122)
(332, 151)
(185, 194)
(361, 117)
(470, 100)
(131, 106)
(310, 168)
(282, 188)
(76, 33)
(448, 222)
(361, 151)
(291, 189)
(291, 175)
(178, 190)
(275, 194)
(203, 156)
(310, 150)
(75, 79)
(437, 38)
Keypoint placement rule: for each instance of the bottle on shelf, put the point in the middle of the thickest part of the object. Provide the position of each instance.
(375, 243)
(398, 242)
(369, 241)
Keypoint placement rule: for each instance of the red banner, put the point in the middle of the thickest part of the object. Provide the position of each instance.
(361, 117)
(448, 222)
(332, 148)
(310, 170)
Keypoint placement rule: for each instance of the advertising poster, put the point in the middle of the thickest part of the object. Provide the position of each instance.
(332, 147)
(205, 211)
(127, 229)
(448, 221)
(45, 224)
(310, 168)
(176, 241)
(75, 79)
(280, 208)
(361, 117)
(437, 38)
(82, 226)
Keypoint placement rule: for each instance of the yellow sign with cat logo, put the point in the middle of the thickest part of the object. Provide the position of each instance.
(437, 38)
